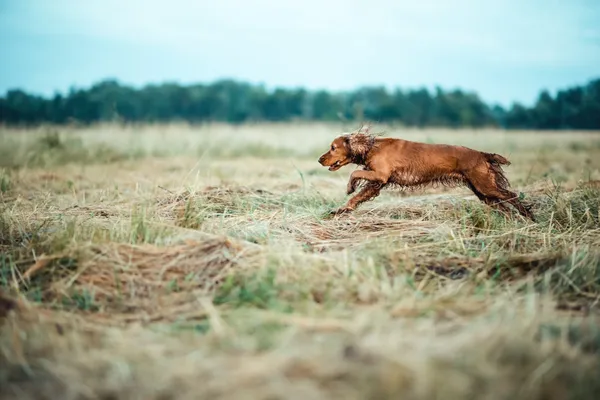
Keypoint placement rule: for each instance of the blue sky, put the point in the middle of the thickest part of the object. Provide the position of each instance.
(505, 50)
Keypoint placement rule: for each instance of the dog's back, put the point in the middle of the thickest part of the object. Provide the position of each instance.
(427, 158)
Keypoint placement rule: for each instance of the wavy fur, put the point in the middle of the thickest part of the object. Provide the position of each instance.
(406, 165)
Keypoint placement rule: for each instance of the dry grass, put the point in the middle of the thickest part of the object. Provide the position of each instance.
(179, 262)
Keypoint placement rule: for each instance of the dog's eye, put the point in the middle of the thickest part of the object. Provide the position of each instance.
(332, 148)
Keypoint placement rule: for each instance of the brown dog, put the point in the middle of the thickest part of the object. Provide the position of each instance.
(407, 164)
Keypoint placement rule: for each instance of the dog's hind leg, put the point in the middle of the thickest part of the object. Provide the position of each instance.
(492, 202)
(498, 205)
(491, 183)
(513, 199)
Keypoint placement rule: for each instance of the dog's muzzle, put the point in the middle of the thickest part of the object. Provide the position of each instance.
(334, 166)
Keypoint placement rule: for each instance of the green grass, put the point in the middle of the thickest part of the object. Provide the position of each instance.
(53, 149)
(164, 261)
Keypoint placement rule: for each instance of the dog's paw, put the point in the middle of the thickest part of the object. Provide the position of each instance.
(341, 210)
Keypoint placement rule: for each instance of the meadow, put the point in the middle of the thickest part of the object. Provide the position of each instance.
(176, 261)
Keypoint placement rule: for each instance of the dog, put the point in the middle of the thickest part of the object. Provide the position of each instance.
(407, 164)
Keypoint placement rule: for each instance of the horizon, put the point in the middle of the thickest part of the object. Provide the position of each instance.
(431, 88)
(498, 52)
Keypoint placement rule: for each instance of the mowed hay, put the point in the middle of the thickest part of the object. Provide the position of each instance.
(339, 234)
(412, 296)
(508, 354)
(189, 210)
(148, 281)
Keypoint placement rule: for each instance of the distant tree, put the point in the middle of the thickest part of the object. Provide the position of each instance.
(238, 102)
(325, 106)
(545, 112)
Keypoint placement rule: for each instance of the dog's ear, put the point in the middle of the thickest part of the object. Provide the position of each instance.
(346, 141)
(358, 144)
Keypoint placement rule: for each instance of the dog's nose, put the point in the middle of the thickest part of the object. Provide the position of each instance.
(321, 160)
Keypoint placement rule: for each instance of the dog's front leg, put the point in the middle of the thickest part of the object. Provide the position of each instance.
(371, 176)
(371, 190)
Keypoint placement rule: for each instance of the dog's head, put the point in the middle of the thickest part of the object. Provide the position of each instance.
(338, 155)
(346, 149)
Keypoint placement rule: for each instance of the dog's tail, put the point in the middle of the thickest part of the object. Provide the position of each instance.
(494, 158)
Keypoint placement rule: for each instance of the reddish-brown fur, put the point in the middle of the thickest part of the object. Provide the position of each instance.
(406, 164)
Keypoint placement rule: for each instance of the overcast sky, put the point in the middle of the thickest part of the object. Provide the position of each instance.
(505, 50)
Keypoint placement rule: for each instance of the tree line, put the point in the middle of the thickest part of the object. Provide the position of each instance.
(238, 102)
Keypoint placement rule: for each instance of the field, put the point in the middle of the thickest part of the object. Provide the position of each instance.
(160, 262)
